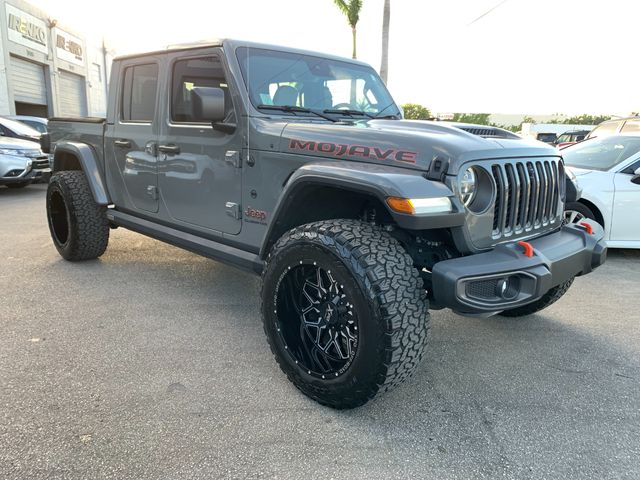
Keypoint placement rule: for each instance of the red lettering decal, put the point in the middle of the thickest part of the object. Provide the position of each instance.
(382, 155)
(359, 151)
(406, 156)
(342, 149)
(300, 145)
(326, 147)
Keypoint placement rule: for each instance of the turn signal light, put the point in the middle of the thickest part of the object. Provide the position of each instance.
(417, 206)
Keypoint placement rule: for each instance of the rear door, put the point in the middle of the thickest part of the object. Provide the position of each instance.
(626, 206)
(134, 140)
(200, 167)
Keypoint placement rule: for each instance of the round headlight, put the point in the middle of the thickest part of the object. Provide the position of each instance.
(468, 186)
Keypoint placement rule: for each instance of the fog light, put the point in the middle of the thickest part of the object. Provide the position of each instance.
(508, 288)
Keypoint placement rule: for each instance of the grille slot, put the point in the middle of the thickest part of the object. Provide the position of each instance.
(527, 196)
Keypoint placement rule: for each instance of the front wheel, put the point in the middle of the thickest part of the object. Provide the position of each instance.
(344, 311)
(576, 212)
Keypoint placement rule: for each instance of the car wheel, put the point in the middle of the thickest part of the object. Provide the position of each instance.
(78, 225)
(344, 311)
(576, 212)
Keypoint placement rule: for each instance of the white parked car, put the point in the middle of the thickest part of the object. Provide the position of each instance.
(608, 172)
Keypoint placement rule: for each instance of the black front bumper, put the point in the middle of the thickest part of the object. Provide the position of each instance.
(506, 278)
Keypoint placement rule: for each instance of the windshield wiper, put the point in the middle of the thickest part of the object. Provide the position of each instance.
(391, 116)
(294, 109)
(347, 111)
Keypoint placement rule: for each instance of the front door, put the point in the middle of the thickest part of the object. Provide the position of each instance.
(135, 135)
(199, 166)
(626, 206)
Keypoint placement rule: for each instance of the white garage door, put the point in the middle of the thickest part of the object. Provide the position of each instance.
(28, 82)
(72, 94)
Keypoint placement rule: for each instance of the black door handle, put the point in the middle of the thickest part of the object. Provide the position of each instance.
(122, 143)
(173, 149)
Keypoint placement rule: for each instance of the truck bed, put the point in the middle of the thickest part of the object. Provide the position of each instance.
(89, 130)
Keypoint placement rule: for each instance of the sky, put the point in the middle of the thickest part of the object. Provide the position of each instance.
(525, 57)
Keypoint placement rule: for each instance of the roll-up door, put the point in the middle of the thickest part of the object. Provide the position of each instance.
(28, 81)
(72, 94)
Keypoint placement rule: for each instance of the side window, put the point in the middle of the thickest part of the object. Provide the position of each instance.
(631, 126)
(139, 93)
(605, 128)
(632, 168)
(196, 72)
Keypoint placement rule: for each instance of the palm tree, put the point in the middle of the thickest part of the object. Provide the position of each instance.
(384, 64)
(351, 9)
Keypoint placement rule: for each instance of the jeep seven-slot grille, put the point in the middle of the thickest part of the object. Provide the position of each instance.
(527, 195)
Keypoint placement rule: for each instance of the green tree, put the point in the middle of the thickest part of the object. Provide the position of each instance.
(475, 118)
(351, 9)
(413, 111)
(585, 119)
(384, 62)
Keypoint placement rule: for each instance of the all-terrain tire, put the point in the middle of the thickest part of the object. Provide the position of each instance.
(549, 298)
(78, 225)
(387, 295)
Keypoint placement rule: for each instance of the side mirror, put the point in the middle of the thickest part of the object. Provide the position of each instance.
(207, 104)
(45, 143)
(636, 179)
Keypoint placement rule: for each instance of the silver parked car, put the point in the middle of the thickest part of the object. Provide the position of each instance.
(21, 162)
(38, 123)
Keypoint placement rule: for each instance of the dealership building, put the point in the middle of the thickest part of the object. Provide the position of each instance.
(48, 69)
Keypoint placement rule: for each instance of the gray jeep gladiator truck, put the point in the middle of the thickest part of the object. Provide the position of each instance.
(298, 167)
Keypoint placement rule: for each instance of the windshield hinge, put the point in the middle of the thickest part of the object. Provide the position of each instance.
(437, 169)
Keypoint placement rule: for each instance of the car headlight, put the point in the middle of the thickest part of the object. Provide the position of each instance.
(12, 151)
(468, 186)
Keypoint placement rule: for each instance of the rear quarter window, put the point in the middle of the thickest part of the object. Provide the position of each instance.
(140, 85)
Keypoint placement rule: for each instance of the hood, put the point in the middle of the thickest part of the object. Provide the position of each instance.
(410, 144)
(17, 143)
(577, 171)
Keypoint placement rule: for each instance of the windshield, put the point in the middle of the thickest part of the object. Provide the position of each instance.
(40, 127)
(297, 80)
(19, 128)
(601, 153)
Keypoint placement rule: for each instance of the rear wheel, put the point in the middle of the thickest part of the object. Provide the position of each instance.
(78, 225)
(344, 311)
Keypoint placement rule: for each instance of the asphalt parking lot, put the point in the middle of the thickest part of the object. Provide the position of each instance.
(151, 363)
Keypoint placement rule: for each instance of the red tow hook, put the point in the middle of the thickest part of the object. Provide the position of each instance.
(588, 228)
(528, 249)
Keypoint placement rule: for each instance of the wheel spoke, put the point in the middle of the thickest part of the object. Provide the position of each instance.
(325, 341)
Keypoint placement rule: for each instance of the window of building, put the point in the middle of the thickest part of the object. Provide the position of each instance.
(139, 93)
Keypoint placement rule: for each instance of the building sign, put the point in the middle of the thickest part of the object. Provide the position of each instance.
(68, 47)
(26, 29)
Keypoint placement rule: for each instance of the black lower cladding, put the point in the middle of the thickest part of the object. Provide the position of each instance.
(316, 320)
(506, 278)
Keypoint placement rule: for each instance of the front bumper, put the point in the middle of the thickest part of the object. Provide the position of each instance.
(30, 176)
(506, 278)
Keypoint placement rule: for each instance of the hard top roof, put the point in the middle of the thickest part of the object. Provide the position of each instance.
(232, 44)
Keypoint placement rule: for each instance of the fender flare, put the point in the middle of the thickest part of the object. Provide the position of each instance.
(88, 164)
(377, 181)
